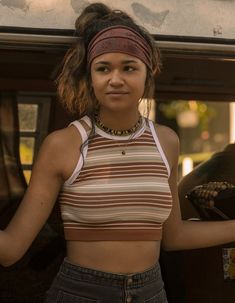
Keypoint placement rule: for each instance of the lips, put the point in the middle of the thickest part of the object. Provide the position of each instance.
(117, 93)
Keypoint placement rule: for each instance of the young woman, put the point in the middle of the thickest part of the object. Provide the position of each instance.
(115, 173)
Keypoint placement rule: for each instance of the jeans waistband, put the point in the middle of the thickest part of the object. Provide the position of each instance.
(92, 275)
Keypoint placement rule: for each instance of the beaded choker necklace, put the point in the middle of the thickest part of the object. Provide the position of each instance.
(115, 132)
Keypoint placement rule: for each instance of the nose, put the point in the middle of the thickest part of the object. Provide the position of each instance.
(116, 79)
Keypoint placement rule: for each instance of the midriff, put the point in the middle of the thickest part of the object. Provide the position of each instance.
(114, 256)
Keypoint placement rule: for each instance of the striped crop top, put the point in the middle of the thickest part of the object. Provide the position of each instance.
(116, 197)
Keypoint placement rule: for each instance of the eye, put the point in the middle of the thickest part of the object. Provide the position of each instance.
(129, 68)
(103, 69)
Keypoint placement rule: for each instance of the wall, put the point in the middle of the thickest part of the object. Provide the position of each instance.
(206, 18)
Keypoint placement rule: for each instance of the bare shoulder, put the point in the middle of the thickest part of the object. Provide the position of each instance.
(62, 139)
(169, 141)
(167, 135)
(61, 150)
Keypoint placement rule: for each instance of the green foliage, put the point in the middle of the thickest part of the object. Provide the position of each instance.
(205, 112)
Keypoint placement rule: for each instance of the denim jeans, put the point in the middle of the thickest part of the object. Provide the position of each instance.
(75, 284)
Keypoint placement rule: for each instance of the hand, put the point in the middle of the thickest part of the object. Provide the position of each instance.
(204, 195)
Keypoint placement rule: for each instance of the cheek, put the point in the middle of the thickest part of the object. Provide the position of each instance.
(143, 77)
(142, 83)
(98, 89)
(94, 84)
(97, 82)
(92, 80)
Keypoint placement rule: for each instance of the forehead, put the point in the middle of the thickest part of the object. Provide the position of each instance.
(116, 58)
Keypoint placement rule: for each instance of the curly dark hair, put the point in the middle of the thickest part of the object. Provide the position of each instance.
(74, 82)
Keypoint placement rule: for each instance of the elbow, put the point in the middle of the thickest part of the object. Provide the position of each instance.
(9, 260)
(10, 251)
(7, 263)
(172, 241)
(168, 246)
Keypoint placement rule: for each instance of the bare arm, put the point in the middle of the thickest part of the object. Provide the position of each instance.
(179, 234)
(187, 183)
(49, 173)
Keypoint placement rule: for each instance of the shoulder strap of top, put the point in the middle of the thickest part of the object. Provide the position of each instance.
(158, 144)
(82, 157)
(87, 120)
(81, 129)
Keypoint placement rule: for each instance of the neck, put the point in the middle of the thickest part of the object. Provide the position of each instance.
(119, 121)
(119, 131)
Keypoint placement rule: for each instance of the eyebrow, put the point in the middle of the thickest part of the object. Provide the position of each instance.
(123, 62)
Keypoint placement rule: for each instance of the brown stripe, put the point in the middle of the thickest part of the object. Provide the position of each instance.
(110, 235)
(122, 144)
(117, 199)
(97, 201)
(113, 176)
(126, 170)
(143, 205)
(126, 167)
(117, 194)
(128, 174)
(130, 164)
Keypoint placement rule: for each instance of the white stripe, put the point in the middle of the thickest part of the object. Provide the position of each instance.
(87, 120)
(154, 133)
(79, 165)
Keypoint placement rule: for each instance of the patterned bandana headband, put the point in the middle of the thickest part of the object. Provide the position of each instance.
(119, 39)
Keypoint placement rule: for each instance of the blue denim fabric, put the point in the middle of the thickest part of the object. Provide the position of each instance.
(75, 284)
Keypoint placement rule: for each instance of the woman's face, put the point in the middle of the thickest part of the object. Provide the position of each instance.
(118, 81)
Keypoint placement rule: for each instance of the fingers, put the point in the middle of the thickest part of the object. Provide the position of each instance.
(204, 195)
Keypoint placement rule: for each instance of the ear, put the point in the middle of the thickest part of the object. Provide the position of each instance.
(156, 71)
